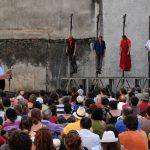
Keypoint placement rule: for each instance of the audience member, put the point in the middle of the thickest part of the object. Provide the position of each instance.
(138, 138)
(89, 139)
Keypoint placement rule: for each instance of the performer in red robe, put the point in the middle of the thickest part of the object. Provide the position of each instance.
(125, 59)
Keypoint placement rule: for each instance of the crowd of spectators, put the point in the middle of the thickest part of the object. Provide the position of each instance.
(73, 120)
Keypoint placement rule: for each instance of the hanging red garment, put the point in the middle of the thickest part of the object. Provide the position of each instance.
(125, 59)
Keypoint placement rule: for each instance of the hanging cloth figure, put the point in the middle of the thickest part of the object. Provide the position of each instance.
(125, 58)
(71, 51)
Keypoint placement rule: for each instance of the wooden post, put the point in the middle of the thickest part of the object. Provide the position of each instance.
(97, 26)
(71, 24)
(124, 23)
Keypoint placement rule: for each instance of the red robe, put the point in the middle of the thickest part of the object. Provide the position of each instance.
(125, 59)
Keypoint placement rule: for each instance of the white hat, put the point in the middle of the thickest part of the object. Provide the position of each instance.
(108, 136)
(80, 91)
(39, 99)
(80, 99)
(80, 113)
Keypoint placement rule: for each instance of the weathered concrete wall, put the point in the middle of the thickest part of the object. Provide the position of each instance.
(38, 18)
(27, 26)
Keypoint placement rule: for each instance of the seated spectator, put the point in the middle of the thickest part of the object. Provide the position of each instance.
(19, 97)
(138, 138)
(122, 101)
(145, 121)
(6, 103)
(110, 127)
(102, 93)
(73, 141)
(36, 122)
(67, 117)
(2, 113)
(109, 141)
(98, 125)
(89, 139)
(113, 113)
(79, 114)
(25, 124)
(12, 121)
(143, 104)
(120, 126)
(44, 141)
(38, 105)
(78, 103)
(25, 109)
(56, 130)
(2, 139)
(53, 109)
(32, 99)
(134, 102)
(18, 141)
(105, 107)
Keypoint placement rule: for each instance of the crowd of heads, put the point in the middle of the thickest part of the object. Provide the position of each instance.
(74, 120)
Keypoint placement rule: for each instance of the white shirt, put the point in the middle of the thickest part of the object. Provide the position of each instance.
(148, 45)
(89, 139)
(119, 106)
(2, 72)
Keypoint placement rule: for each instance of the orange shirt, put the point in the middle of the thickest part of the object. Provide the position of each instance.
(134, 140)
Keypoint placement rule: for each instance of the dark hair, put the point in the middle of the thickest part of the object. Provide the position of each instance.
(19, 141)
(111, 146)
(110, 127)
(138, 89)
(86, 123)
(131, 94)
(73, 90)
(1, 107)
(97, 114)
(36, 115)
(53, 109)
(113, 104)
(73, 140)
(43, 139)
(1, 120)
(26, 123)
(134, 101)
(88, 102)
(67, 108)
(104, 101)
(127, 110)
(32, 98)
(54, 96)
(124, 36)
(123, 91)
(103, 90)
(131, 122)
(148, 111)
(18, 109)
(11, 114)
(6, 102)
(37, 104)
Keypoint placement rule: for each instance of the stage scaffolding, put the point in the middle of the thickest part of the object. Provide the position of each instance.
(110, 83)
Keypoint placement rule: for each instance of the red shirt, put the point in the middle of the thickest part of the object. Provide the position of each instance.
(143, 106)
